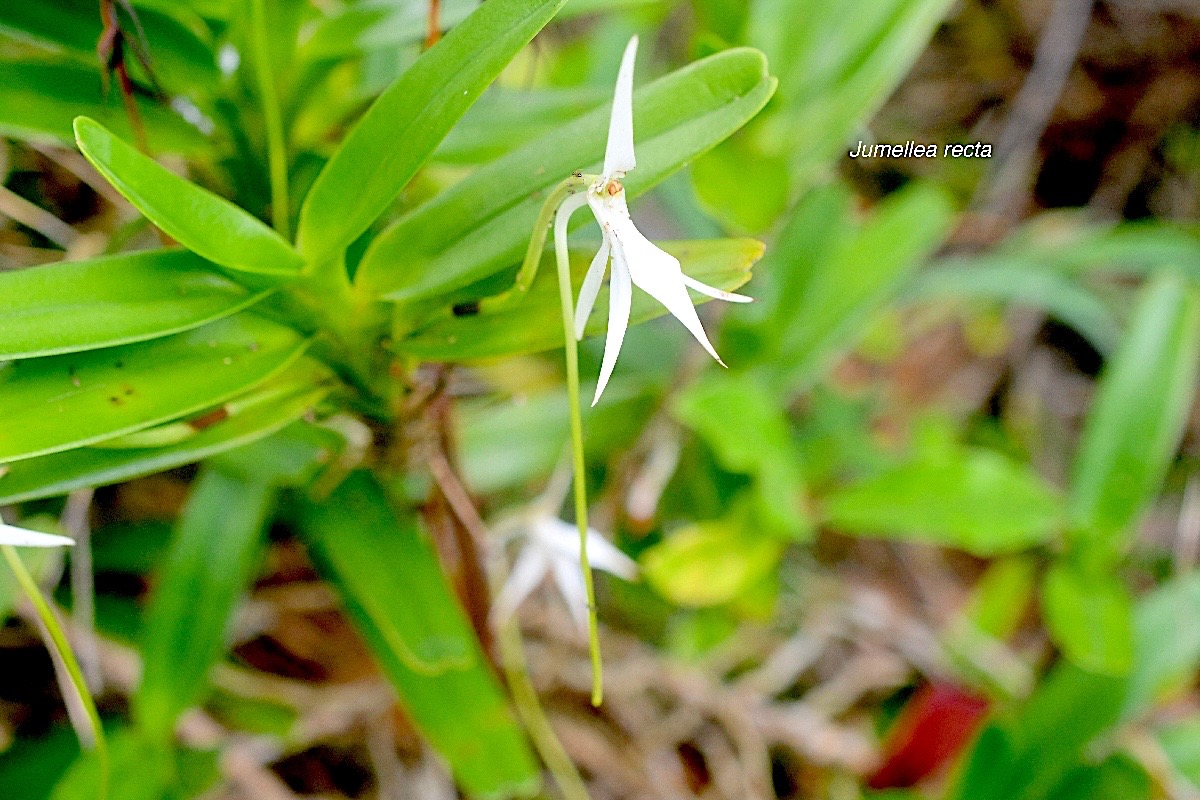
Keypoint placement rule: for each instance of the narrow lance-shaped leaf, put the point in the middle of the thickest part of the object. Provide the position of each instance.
(56, 403)
(208, 566)
(482, 225)
(405, 124)
(855, 279)
(246, 418)
(391, 582)
(1138, 415)
(86, 305)
(204, 223)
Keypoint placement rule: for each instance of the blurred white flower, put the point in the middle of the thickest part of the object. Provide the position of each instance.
(551, 547)
(20, 537)
(636, 261)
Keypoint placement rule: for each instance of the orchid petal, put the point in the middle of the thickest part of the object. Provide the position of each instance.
(526, 574)
(620, 298)
(657, 273)
(569, 578)
(603, 554)
(618, 155)
(20, 537)
(591, 288)
(711, 291)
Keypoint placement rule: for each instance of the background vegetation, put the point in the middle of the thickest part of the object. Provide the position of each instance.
(932, 534)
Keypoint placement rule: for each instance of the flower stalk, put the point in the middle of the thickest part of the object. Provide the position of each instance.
(61, 649)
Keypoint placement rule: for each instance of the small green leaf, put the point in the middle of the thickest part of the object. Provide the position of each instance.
(482, 224)
(405, 124)
(535, 322)
(1166, 631)
(1090, 617)
(975, 500)
(748, 431)
(56, 403)
(142, 770)
(38, 102)
(711, 563)
(1142, 402)
(209, 564)
(394, 589)
(204, 223)
(86, 305)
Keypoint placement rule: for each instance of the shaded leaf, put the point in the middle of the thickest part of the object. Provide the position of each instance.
(216, 547)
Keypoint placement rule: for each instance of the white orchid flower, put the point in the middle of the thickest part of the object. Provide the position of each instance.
(552, 548)
(636, 261)
(20, 537)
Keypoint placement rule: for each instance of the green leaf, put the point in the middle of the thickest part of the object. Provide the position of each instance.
(56, 403)
(142, 770)
(86, 305)
(1138, 416)
(972, 499)
(855, 277)
(711, 563)
(1118, 777)
(504, 119)
(1061, 296)
(1090, 616)
(748, 431)
(261, 412)
(535, 322)
(206, 224)
(405, 124)
(390, 580)
(1166, 644)
(209, 564)
(1052, 731)
(38, 102)
(482, 225)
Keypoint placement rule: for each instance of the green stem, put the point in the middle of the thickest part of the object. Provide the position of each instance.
(58, 641)
(581, 507)
(276, 147)
(516, 670)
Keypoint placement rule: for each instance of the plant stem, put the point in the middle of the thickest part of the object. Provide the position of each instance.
(563, 262)
(276, 147)
(59, 644)
(516, 670)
